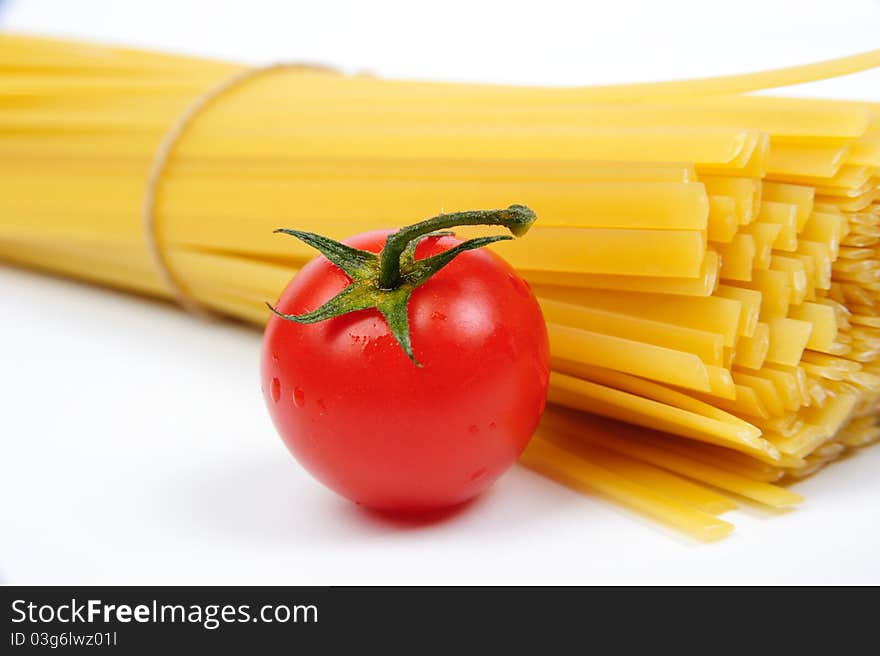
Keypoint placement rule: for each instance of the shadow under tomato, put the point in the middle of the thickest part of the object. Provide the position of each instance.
(416, 519)
(269, 499)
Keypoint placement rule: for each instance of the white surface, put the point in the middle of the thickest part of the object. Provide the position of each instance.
(135, 445)
(546, 42)
(136, 449)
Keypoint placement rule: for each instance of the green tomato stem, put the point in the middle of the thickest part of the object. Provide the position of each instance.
(516, 218)
(387, 280)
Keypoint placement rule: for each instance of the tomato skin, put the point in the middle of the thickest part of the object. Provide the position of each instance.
(371, 425)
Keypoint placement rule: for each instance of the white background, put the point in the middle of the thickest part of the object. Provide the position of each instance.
(136, 448)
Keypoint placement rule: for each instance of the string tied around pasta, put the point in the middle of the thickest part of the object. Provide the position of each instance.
(159, 164)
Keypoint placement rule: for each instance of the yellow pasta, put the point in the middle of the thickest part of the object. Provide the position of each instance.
(712, 314)
(786, 385)
(788, 339)
(764, 235)
(702, 285)
(745, 193)
(606, 401)
(738, 258)
(784, 215)
(801, 197)
(707, 346)
(797, 276)
(630, 356)
(621, 438)
(580, 472)
(707, 260)
(722, 220)
(764, 389)
(823, 322)
(808, 159)
(751, 352)
(745, 403)
(750, 303)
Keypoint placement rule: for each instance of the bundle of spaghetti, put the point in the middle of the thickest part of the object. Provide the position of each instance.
(706, 259)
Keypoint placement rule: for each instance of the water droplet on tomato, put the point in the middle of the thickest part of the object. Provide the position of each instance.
(322, 406)
(274, 358)
(478, 474)
(299, 397)
(492, 425)
(474, 429)
(275, 389)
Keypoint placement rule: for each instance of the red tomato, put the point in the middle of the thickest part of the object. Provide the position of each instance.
(374, 427)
